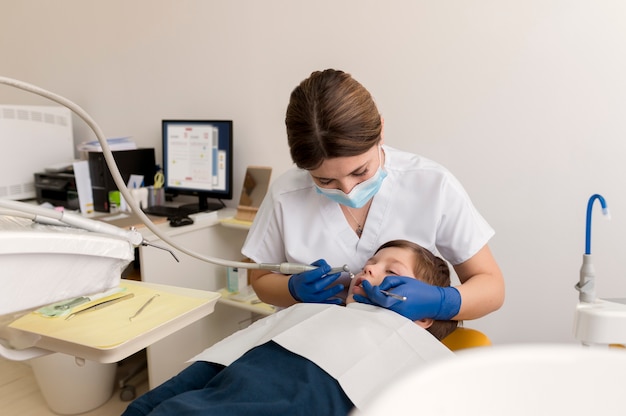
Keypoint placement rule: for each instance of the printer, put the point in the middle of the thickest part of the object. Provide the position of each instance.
(57, 188)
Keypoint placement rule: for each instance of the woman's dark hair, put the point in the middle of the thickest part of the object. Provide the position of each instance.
(432, 270)
(330, 115)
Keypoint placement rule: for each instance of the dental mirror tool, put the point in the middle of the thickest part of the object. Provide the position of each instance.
(133, 236)
(393, 295)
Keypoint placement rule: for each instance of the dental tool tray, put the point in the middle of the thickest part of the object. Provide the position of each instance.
(116, 331)
(43, 264)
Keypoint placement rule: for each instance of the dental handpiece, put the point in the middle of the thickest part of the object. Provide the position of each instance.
(340, 269)
(294, 268)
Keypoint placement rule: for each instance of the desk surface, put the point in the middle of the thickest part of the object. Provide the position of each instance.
(108, 335)
(201, 220)
(127, 219)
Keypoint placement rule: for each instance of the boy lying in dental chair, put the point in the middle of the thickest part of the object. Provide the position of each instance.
(288, 363)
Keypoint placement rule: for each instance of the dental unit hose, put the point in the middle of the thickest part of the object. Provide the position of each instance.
(294, 268)
(586, 284)
(134, 237)
(53, 217)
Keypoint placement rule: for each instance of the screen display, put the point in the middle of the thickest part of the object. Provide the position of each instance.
(197, 158)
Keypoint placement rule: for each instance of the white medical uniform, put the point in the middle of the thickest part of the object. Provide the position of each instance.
(419, 201)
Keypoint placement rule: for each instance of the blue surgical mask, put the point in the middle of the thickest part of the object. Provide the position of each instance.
(360, 194)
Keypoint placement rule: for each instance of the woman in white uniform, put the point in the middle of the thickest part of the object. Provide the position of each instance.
(348, 194)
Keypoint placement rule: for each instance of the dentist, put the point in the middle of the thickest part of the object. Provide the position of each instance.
(349, 193)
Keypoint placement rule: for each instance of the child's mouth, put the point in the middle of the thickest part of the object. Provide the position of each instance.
(356, 287)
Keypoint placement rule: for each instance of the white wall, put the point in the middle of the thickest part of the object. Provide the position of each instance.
(524, 101)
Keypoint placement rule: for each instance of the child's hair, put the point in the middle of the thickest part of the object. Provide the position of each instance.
(432, 270)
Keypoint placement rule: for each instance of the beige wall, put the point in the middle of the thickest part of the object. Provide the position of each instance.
(524, 101)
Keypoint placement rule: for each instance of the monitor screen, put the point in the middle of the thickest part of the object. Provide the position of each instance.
(198, 160)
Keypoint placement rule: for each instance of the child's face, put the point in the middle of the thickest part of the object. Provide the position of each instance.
(387, 262)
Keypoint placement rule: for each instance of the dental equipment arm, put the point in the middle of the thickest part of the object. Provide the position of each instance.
(285, 268)
(293, 268)
(53, 217)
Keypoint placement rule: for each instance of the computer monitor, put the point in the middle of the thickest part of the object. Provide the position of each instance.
(198, 160)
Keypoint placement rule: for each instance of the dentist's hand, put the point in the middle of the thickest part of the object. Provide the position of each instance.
(310, 287)
(422, 300)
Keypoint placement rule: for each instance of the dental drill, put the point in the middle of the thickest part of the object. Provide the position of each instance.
(134, 237)
(293, 268)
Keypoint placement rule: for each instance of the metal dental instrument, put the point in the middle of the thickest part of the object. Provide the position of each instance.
(147, 244)
(143, 307)
(393, 295)
(100, 305)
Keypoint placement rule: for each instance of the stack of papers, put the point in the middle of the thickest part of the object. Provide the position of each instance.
(118, 143)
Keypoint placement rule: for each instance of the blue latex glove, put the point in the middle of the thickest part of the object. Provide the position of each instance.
(310, 286)
(422, 300)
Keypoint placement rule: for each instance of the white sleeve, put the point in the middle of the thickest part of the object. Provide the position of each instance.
(462, 231)
(264, 243)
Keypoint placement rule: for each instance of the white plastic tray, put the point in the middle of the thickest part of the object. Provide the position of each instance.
(107, 335)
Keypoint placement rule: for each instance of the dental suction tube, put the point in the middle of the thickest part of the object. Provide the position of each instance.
(92, 225)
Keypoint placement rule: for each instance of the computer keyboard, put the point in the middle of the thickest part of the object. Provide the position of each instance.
(167, 211)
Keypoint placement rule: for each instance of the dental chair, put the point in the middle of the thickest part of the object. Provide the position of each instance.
(463, 338)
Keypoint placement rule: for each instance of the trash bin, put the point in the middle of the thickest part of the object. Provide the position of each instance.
(71, 386)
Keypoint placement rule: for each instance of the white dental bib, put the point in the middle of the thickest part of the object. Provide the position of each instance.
(363, 347)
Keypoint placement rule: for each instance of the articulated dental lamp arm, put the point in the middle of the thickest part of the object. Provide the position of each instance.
(133, 236)
(586, 284)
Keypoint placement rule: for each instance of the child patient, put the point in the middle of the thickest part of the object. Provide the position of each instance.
(404, 258)
(311, 358)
